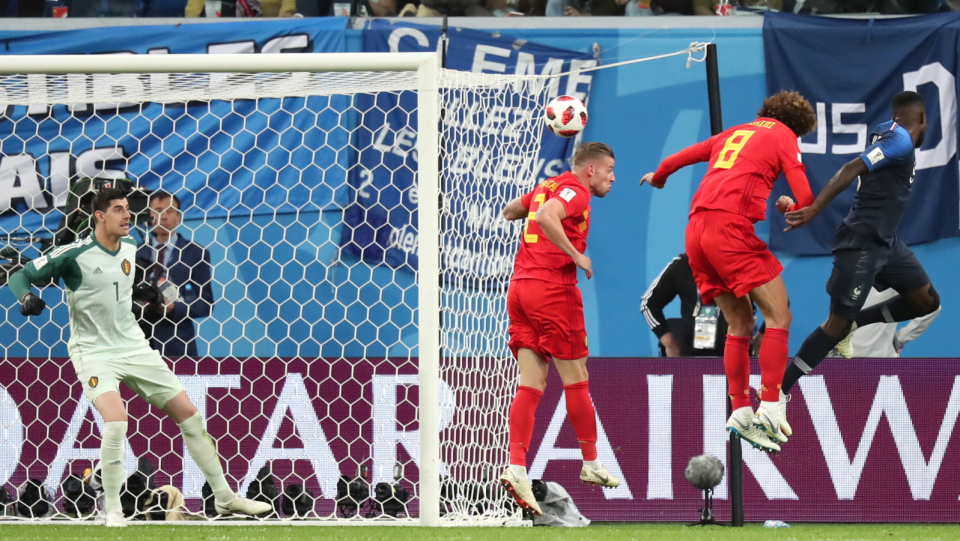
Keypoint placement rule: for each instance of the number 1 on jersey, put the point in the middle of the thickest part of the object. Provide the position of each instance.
(731, 149)
(532, 215)
(116, 289)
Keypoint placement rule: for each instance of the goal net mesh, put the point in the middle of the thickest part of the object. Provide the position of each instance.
(295, 265)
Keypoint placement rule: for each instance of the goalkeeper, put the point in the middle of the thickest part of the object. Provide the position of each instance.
(106, 347)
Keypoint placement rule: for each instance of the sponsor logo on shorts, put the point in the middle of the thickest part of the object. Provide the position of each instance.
(93, 382)
(585, 341)
(125, 267)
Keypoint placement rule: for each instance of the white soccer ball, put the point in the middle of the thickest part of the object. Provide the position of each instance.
(566, 116)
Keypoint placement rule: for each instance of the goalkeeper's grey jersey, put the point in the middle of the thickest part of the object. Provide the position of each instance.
(99, 288)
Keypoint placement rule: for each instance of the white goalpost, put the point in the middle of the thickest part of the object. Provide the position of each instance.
(456, 436)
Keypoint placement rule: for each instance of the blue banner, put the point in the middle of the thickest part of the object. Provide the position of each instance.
(850, 70)
(218, 151)
(382, 223)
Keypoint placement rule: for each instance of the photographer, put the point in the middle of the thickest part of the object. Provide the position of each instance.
(181, 269)
(677, 336)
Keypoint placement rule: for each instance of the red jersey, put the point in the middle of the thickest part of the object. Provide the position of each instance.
(745, 161)
(538, 258)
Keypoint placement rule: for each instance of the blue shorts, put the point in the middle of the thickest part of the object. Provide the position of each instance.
(860, 263)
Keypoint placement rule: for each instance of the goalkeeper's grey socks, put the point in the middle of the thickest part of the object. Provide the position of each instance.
(111, 462)
(204, 453)
(814, 349)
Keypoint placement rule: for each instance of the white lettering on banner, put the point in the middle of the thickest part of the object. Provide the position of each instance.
(481, 64)
(403, 142)
(921, 475)
(405, 239)
(197, 388)
(106, 162)
(576, 78)
(394, 40)
(488, 166)
(839, 127)
(295, 398)
(67, 453)
(820, 146)
(660, 439)
(19, 180)
(548, 451)
(771, 481)
(946, 91)
(11, 435)
(386, 436)
(486, 264)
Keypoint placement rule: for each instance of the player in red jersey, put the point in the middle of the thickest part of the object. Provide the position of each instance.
(731, 265)
(546, 311)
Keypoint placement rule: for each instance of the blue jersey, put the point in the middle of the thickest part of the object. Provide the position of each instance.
(884, 190)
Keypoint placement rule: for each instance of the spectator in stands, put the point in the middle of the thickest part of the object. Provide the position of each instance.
(25, 8)
(246, 8)
(173, 260)
(883, 339)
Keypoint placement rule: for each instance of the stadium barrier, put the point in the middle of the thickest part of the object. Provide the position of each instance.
(872, 437)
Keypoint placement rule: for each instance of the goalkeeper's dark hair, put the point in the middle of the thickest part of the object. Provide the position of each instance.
(587, 152)
(906, 100)
(792, 109)
(102, 200)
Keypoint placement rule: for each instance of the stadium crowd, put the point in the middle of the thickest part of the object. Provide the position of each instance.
(457, 8)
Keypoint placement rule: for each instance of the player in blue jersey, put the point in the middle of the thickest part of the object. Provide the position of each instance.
(866, 250)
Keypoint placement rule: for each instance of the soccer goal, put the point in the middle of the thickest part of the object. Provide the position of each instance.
(351, 357)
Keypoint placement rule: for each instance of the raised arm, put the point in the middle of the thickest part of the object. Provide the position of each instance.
(840, 181)
(697, 153)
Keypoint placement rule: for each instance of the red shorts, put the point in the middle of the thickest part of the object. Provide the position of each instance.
(726, 256)
(546, 318)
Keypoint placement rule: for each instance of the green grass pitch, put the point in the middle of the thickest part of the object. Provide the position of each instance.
(599, 532)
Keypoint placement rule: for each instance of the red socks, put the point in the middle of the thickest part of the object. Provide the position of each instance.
(580, 410)
(522, 415)
(583, 417)
(736, 362)
(773, 362)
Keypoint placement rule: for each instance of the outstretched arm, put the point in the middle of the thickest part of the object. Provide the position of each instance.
(697, 153)
(840, 181)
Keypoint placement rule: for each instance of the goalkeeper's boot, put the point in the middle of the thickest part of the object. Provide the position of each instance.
(741, 423)
(845, 346)
(598, 477)
(519, 488)
(115, 519)
(243, 506)
(767, 419)
(784, 425)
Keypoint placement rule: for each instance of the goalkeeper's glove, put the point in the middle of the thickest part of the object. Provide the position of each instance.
(31, 305)
(147, 293)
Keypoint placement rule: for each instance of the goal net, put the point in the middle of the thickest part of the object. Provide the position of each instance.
(348, 303)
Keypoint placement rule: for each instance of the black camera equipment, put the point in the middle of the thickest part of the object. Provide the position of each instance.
(264, 489)
(209, 502)
(353, 494)
(33, 500)
(298, 501)
(136, 490)
(78, 497)
(78, 212)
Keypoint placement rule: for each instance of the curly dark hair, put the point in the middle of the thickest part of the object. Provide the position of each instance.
(792, 109)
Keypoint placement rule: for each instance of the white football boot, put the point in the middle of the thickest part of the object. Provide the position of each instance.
(845, 346)
(784, 425)
(741, 423)
(243, 506)
(115, 519)
(599, 477)
(767, 419)
(521, 491)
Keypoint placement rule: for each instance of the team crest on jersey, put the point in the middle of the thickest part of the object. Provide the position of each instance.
(93, 382)
(125, 267)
